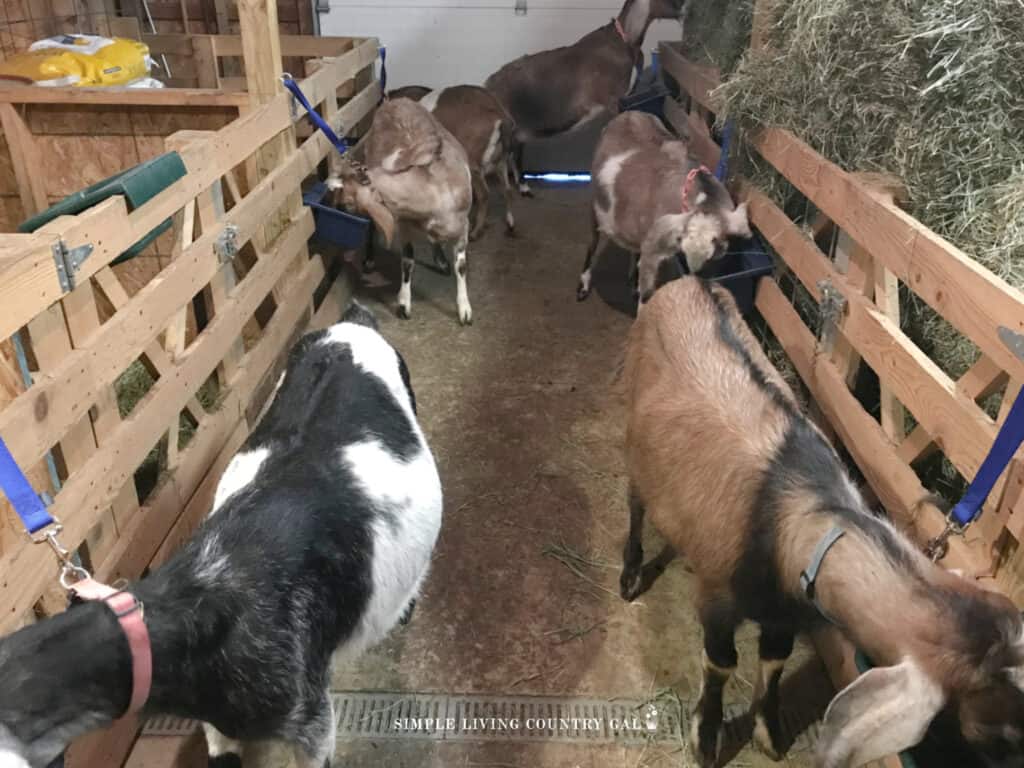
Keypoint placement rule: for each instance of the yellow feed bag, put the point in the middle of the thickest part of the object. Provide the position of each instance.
(82, 60)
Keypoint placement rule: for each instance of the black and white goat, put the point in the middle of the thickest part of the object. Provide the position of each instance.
(728, 469)
(555, 91)
(319, 540)
(644, 180)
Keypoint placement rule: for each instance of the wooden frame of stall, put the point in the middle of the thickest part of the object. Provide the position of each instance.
(59, 140)
(878, 247)
(240, 242)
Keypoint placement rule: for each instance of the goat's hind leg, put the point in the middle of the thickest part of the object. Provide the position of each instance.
(462, 291)
(481, 199)
(774, 647)
(633, 553)
(719, 621)
(598, 243)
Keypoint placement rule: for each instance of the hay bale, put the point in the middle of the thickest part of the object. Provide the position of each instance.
(928, 90)
(717, 32)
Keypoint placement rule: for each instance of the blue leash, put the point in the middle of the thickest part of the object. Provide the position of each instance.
(18, 490)
(1009, 439)
(340, 144)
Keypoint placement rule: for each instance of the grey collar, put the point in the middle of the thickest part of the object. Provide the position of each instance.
(809, 575)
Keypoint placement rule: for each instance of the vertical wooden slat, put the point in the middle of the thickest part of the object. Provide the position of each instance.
(26, 160)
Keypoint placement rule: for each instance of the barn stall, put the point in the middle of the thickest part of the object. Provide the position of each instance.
(520, 617)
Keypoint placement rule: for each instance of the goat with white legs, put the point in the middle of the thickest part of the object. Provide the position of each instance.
(555, 91)
(319, 540)
(415, 181)
(486, 131)
(642, 173)
(735, 477)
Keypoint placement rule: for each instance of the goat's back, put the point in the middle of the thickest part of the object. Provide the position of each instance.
(552, 91)
(706, 411)
(475, 117)
(638, 175)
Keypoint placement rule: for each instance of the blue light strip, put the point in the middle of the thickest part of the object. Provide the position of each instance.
(559, 178)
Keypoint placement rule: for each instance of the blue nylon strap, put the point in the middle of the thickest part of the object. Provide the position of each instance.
(723, 161)
(1009, 439)
(19, 492)
(383, 73)
(340, 144)
(809, 576)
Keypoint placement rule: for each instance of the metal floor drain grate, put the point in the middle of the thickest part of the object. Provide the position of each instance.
(444, 717)
(502, 718)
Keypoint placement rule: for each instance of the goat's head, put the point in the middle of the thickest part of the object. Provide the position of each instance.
(889, 709)
(352, 190)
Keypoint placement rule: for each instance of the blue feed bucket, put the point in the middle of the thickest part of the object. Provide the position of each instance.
(334, 226)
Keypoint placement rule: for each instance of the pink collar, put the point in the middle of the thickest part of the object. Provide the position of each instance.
(621, 31)
(129, 614)
(688, 186)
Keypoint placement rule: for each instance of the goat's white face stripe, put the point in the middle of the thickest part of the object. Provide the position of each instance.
(429, 102)
(240, 472)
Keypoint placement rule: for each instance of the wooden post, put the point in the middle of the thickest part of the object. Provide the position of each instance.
(26, 161)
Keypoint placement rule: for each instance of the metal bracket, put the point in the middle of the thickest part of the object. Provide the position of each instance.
(521, 9)
(833, 306)
(226, 244)
(323, 6)
(1014, 341)
(68, 261)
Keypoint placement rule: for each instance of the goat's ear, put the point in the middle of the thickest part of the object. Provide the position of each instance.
(882, 712)
(737, 222)
(377, 211)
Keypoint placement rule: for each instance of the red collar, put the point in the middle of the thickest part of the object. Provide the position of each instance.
(621, 31)
(129, 615)
(688, 186)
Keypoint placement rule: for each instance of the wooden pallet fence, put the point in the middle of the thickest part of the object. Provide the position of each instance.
(77, 357)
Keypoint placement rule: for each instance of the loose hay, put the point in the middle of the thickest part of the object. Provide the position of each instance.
(925, 89)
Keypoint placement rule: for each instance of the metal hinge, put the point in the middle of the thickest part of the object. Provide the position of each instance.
(1013, 340)
(226, 244)
(68, 262)
(833, 306)
(521, 8)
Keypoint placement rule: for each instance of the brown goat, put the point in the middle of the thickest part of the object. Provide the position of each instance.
(555, 91)
(416, 180)
(642, 173)
(734, 476)
(486, 131)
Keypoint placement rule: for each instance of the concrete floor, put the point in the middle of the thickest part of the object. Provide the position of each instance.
(519, 414)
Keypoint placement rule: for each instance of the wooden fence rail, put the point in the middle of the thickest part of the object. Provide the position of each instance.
(79, 356)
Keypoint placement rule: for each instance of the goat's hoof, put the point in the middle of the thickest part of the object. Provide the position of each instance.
(369, 265)
(763, 739)
(466, 316)
(404, 312)
(510, 230)
(407, 615)
(525, 190)
(631, 585)
(582, 292)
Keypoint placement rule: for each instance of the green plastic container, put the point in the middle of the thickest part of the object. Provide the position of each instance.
(138, 185)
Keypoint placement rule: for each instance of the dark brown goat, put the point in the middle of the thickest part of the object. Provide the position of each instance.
(735, 477)
(486, 131)
(554, 91)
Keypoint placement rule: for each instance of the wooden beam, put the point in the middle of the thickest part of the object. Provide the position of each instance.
(696, 80)
(960, 289)
(898, 488)
(144, 97)
(26, 161)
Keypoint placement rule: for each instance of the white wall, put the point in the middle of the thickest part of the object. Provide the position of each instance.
(450, 42)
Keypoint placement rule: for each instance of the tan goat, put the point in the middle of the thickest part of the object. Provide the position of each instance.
(729, 470)
(415, 180)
